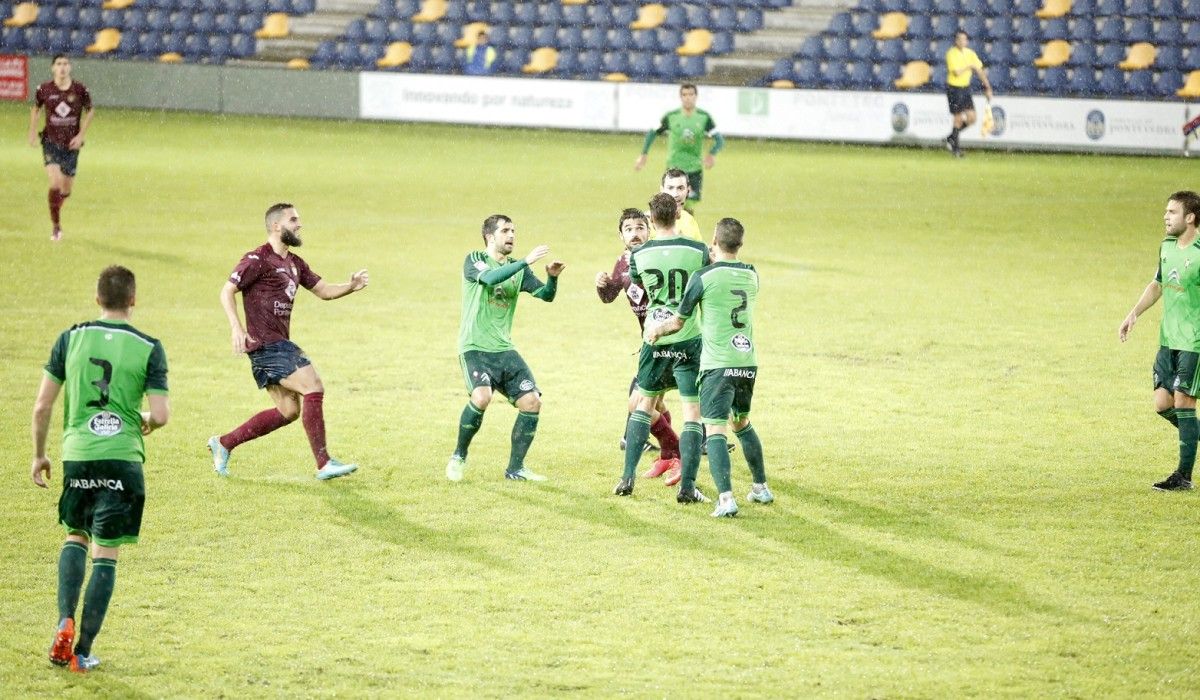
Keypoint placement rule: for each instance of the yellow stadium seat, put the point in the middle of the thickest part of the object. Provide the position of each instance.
(891, 26)
(1191, 88)
(782, 84)
(1054, 8)
(431, 11)
(574, 2)
(23, 15)
(116, 4)
(617, 78)
(695, 43)
(470, 33)
(542, 60)
(1054, 53)
(106, 40)
(275, 26)
(170, 57)
(1140, 57)
(649, 17)
(916, 74)
(298, 64)
(398, 53)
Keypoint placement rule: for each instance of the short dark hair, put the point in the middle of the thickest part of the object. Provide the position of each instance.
(672, 174)
(663, 209)
(116, 288)
(729, 235)
(631, 213)
(58, 56)
(492, 223)
(274, 212)
(689, 86)
(1191, 204)
(963, 32)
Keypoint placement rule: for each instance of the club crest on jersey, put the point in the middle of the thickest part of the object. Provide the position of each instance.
(660, 314)
(740, 343)
(105, 424)
(636, 293)
(291, 290)
(63, 109)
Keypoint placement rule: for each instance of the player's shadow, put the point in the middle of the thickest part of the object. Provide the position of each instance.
(136, 253)
(385, 524)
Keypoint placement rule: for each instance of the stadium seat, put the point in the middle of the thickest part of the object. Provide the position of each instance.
(542, 60)
(916, 74)
(1000, 54)
(811, 47)
(891, 26)
(1083, 55)
(431, 11)
(861, 23)
(117, 4)
(397, 54)
(594, 39)
(1110, 55)
(1167, 83)
(1191, 60)
(1167, 9)
(695, 43)
(106, 41)
(1169, 58)
(570, 37)
(275, 26)
(620, 39)
(1190, 10)
(399, 30)
(545, 36)
(1137, 8)
(1054, 53)
(298, 64)
(1055, 29)
(861, 76)
(242, 45)
(1025, 79)
(782, 84)
(1055, 81)
(1111, 82)
(1083, 82)
(649, 17)
(724, 19)
(1141, 56)
(837, 48)
(549, 13)
(574, 15)
(171, 57)
(1026, 53)
(1026, 29)
(1081, 30)
(893, 51)
(1170, 32)
(1140, 30)
(1000, 79)
(973, 26)
(1113, 29)
(998, 28)
(836, 76)
(1139, 83)
(806, 73)
(24, 14)
(920, 27)
(864, 50)
(1054, 8)
(841, 24)
(750, 20)
(568, 64)
(89, 18)
(889, 73)
(614, 62)
(641, 66)
(589, 64)
(1191, 87)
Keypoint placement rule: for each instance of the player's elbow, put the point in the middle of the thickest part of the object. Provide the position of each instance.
(160, 412)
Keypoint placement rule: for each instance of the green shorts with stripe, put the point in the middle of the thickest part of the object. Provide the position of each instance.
(726, 393)
(665, 367)
(1175, 370)
(505, 372)
(103, 499)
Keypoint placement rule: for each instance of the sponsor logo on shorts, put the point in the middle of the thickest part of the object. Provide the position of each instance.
(671, 354)
(526, 385)
(741, 343)
(105, 424)
(739, 372)
(110, 484)
(482, 378)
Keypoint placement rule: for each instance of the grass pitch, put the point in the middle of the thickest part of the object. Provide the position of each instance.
(961, 450)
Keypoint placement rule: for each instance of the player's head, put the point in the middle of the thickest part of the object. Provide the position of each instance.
(961, 39)
(60, 66)
(499, 233)
(116, 288)
(664, 210)
(675, 183)
(634, 228)
(1183, 212)
(283, 220)
(687, 95)
(728, 235)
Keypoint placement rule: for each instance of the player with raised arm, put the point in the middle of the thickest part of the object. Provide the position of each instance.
(1177, 365)
(103, 368)
(662, 267)
(686, 129)
(268, 278)
(633, 227)
(725, 293)
(491, 284)
(68, 107)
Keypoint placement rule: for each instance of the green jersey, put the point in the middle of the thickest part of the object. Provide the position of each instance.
(105, 367)
(1179, 275)
(725, 293)
(489, 300)
(685, 142)
(662, 267)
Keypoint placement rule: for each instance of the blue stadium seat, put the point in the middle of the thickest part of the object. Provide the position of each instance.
(376, 30)
(544, 36)
(1055, 80)
(501, 13)
(835, 75)
(920, 27)
(525, 13)
(840, 24)
(837, 48)
(446, 33)
(89, 18)
(1169, 58)
(212, 6)
(355, 30)
(1137, 8)
(811, 47)
(477, 11)
(749, 20)
(973, 8)
(1025, 79)
(218, 47)
(324, 55)
(920, 50)
(892, 50)
(1000, 54)
(641, 65)
(1170, 32)
(590, 64)
(81, 39)
(782, 70)
(888, 73)
(1025, 8)
(919, 7)
(1026, 29)
(668, 39)
(1025, 53)
(692, 66)
(861, 23)
(243, 45)
(37, 39)
(1140, 30)
(863, 50)
(58, 40)
(806, 73)
(1081, 30)
(998, 28)
(419, 60)
(1167, 9)
(614, 62)
(1083, 55)
(401, 30)
(948, 8)
(1166, 83)
(1055, 29)
(666, 66)
(1139, 83)
(570, 37)
(225, 23)
(1000, 8)
(150, 44)
(945, 27)
(64, 17)
(1190, 10)
(204, 23)
(677, 17)
(248, 23)
(519, 37)
(1112, 29)
(259, 7)
(645, 40)
(1109, 55)
(574, 15)
(975, 27)
(1083, 82)
(442, 59)
(1083, 8)
(548, 12)
(1110, 8)
(426, 33)
(284, 6)
(861, 76)
(1111, 82)
(620, 39)
(12, 38)
(568, 64)
(178, 21)
(594, 39)
(1191, 59)
(599, 15)
(194, 46)
(172, 42)
(697, 17)
(724, 19)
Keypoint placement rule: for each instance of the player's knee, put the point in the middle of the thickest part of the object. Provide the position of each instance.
(530, 403)
(481, 397)
(290, 411)
(739, 424)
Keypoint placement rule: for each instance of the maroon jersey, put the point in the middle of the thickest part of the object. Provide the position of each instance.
(64, 108)
(268, 284)
(619, 281)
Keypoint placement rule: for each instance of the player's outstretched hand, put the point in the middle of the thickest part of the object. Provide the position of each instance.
(359, 280)
(602, 279)
(240, 339)
(555, 268)
(1126, 326)
(41, 471)
(709, 161)
(640, 162)
(537, 254)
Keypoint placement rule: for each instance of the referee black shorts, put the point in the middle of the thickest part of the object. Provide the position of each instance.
(959, 99)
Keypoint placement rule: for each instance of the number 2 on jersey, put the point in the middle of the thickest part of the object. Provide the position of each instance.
(675, 280)
(733, 315)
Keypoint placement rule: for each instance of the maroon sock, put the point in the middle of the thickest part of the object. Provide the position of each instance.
(668, 441)
(259, 424)
(313, 416)
(55, 199)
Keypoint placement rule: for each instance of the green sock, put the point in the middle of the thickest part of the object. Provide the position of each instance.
(468, 424)
(752, 448)
(636, 432)
(72, 562)
(95, 603)
(689, 453)
(1169, 416)
(523, 431)
(718, 461)
(1189, 431)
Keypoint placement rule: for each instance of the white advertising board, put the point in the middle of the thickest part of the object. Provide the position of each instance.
(563, 104)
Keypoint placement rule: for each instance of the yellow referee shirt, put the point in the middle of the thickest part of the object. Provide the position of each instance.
(957, 59)
(686, 226)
